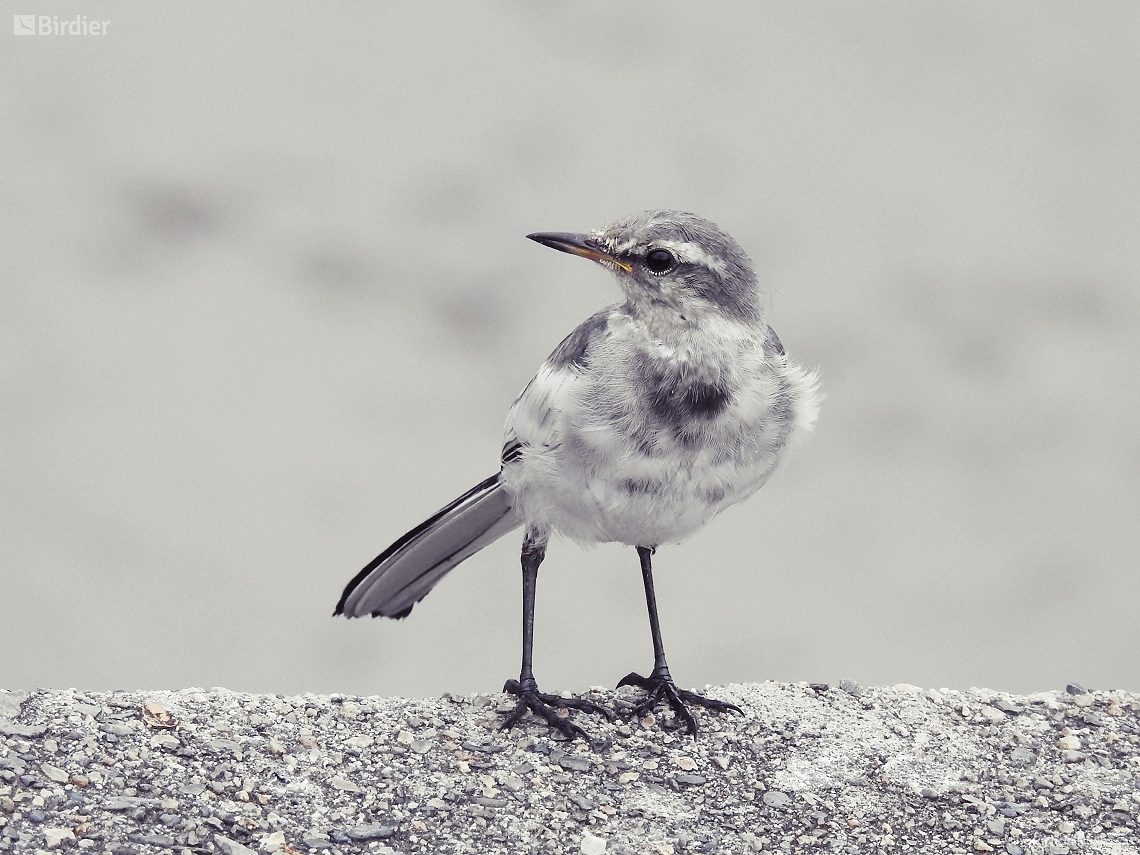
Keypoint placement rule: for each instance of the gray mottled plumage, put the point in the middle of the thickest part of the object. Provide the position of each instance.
(649, 419)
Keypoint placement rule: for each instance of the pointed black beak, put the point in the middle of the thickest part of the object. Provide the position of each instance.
(575, 244)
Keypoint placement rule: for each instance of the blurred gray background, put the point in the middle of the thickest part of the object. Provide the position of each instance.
(265, 301)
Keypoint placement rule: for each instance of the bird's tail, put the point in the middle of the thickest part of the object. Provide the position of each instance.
(406, 571)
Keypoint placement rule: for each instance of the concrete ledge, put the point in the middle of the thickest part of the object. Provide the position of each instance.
(805, 769)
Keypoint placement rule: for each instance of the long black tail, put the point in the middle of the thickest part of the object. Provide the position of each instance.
(404, 573)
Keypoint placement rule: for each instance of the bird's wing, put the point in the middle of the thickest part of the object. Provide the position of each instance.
(406, 571)
(534, 418)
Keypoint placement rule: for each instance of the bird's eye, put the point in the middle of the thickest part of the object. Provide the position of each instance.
(659, 260)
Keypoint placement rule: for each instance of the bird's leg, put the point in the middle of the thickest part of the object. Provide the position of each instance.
(525, 688)
(659, 684)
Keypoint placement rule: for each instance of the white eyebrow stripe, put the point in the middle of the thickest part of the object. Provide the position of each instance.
(686, 251)
(691, 253)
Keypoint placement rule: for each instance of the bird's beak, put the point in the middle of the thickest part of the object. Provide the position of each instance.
(582, 245)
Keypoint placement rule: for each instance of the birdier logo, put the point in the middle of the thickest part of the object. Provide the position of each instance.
(52, 25)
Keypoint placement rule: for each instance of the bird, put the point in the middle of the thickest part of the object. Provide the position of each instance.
(648, 420)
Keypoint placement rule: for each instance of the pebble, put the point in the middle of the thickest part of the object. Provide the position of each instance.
(53, 837)
(340, 783)
(231, 847)
(371, 832)
(685, 763)
(55, 773)
(575, 763)
(165, 740)
(592, 845)
(273, 842)
(156, 716)
(1069, 742)
(776, 799)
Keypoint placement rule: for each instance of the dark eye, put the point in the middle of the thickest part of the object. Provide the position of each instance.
(659, 260)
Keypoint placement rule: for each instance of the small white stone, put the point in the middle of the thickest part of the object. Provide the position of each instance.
(273, 842)
(55, 773)
(993, 713)
(360, 741)
(53, 837)
(404, 737)
(592, 845)
(1071, 742)
(339, 783)
(1084, 700)
(1066, 827)
(684, 763)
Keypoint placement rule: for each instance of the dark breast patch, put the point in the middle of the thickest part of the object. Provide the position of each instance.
(705, 400)
(681, 404)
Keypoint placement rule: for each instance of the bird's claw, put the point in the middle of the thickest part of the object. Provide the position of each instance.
(660, 687)
(546, 706)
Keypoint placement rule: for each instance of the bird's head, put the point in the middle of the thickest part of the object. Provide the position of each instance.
(670, 259)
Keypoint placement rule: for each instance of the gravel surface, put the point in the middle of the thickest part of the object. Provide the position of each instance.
(807, 768)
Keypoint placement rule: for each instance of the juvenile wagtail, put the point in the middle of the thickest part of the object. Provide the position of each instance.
(646, 422)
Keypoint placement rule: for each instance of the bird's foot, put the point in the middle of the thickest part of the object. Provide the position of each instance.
(661, 688)
(547, 706)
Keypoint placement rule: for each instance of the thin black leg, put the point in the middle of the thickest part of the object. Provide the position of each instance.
(659, 684)
(660, 666)
(525, 688)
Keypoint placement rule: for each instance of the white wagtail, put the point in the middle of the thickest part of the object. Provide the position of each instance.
(648, 420)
